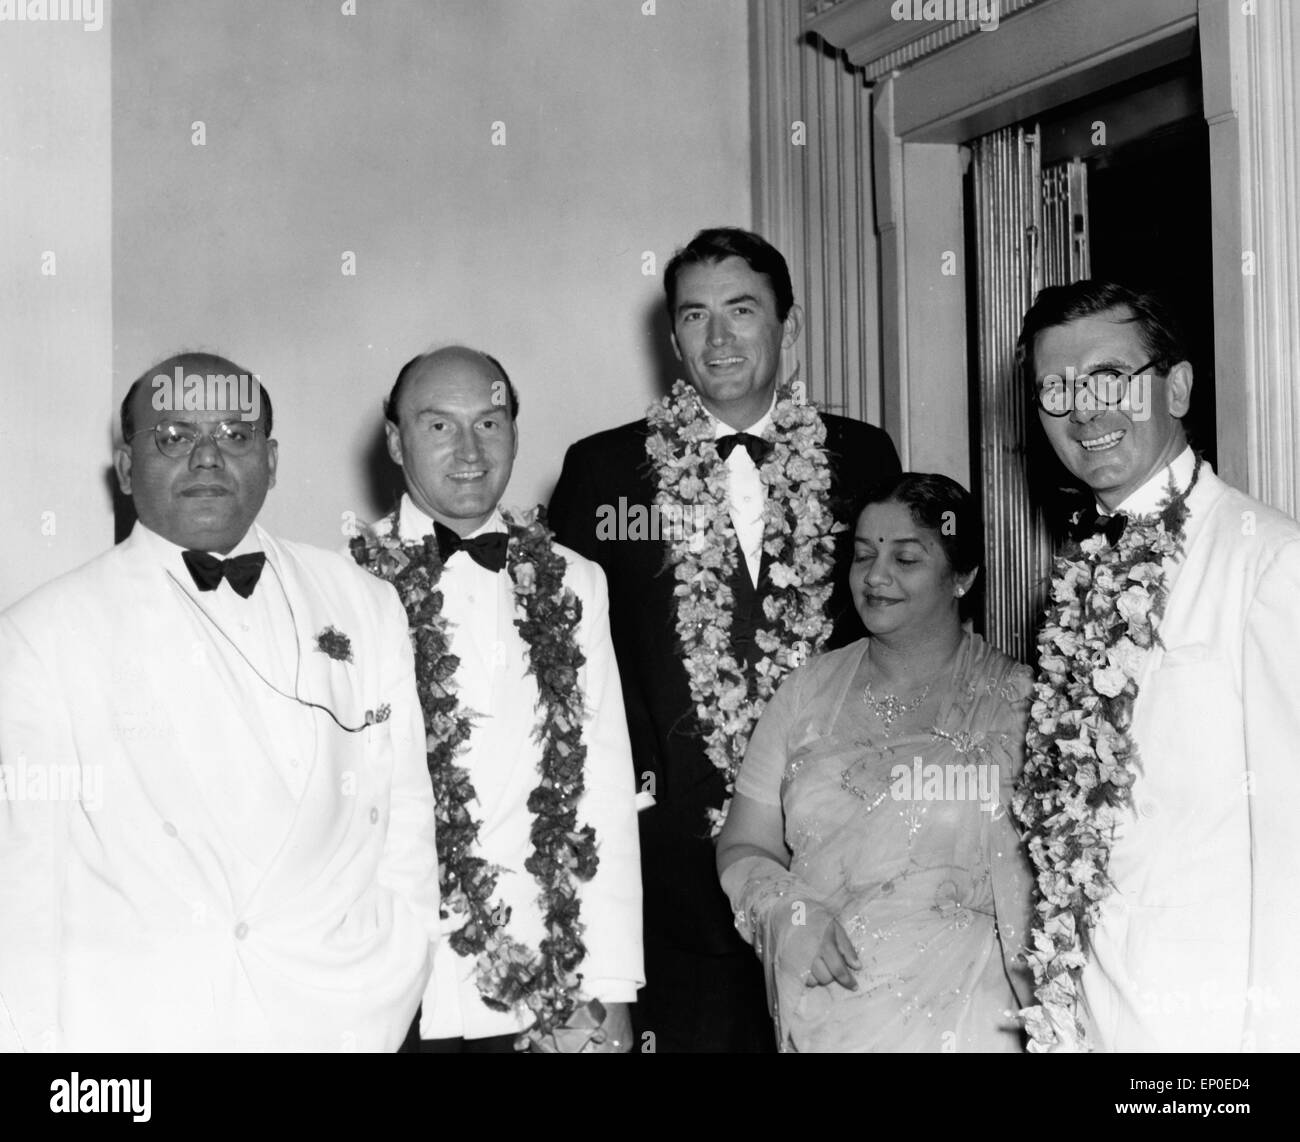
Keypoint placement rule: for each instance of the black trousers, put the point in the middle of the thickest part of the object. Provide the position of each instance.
(702, 1004)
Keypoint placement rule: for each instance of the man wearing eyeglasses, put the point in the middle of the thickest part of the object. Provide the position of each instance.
(216, 829)
(1162, 777)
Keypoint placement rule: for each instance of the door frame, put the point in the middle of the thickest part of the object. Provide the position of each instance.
(950, 85)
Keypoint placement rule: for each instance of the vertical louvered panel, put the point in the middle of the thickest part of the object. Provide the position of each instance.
(1031, 230)
(1010, 230)
(813, 201)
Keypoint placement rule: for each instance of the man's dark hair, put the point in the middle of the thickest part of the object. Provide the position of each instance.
(942, 505)
(710, 246)
(191, 362)
(412, 366)
(1059, 305)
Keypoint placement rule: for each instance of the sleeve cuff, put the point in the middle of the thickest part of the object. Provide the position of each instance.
(612, 990)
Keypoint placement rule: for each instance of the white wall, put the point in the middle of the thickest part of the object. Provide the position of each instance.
(55, 328)
(372, 133)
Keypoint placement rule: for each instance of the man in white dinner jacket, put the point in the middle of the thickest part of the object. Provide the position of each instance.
(450, 424)
(1196, 947)
(216, 830)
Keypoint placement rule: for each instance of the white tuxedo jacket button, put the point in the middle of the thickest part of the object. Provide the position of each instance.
(241, 930)
(374, 816)
(1148, 808)
(169, 829)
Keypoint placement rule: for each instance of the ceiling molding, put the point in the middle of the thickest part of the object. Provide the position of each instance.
(883, 36)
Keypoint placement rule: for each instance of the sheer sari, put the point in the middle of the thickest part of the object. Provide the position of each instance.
(907, 839)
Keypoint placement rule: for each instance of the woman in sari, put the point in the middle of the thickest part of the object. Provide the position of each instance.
(869, 852)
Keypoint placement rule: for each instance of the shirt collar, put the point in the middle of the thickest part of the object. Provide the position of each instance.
(166, 549)
(1146, 499)
(413, 523)
(721, 428)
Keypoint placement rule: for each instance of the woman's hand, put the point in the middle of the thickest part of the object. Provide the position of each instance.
(816, 949)
(836, 959)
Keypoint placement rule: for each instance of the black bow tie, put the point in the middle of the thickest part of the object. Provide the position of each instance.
(756, 446)
(1092, 522)
(488, 550)
(242, 572)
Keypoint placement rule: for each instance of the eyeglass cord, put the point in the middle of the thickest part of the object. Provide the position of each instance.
(371, 717)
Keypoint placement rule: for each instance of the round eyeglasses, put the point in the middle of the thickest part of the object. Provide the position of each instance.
(176, 439)
(1059, 396)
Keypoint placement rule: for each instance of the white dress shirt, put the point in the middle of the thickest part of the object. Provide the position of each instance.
(502, 757)
(1145, 500)
(746, 496)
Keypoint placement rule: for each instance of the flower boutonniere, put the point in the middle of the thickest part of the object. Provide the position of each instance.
(335, 643)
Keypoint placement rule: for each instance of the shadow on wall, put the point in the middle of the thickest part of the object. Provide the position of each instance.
(659, 329)
(123, 506)
(383, 478)
(124, 516)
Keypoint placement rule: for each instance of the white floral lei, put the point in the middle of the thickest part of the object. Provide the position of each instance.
(1102, 621)
(798, 531)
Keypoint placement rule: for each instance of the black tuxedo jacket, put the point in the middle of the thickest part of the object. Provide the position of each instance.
(608, 477)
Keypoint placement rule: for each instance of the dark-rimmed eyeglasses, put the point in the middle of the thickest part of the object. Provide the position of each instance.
(1059, 396)
(176, 439)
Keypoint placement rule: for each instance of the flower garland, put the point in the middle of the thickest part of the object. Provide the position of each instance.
(1102, 621)
(798, 538)
(509, 975)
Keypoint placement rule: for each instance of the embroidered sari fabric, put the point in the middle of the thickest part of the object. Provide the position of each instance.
(907, 838)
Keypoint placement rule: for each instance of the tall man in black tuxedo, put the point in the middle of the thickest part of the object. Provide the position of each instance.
(732, 309)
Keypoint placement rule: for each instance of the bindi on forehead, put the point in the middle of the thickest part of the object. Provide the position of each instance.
(917, 539)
